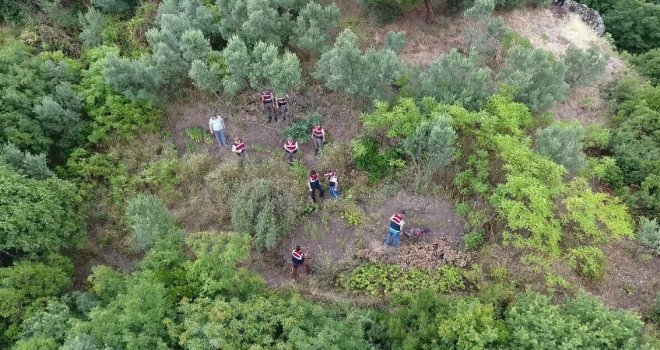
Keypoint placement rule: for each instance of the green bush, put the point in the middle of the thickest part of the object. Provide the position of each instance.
(264, 211)
(378, 165)
(596, 136)
(563, 144)
(345, 68)
(381, 11)
(39, 216)
(453, 78)
(377, 279)
(152, 223)
(648, 235)
(473, 239)
(589, 261)
(395, 41)
(584, 67)
(536, 76)
(535, 323)
(647, 64)
(301, 129)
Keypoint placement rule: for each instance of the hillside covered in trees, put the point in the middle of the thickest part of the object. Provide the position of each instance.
(523, 149)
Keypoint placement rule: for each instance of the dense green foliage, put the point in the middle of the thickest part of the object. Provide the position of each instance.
(563, 144)
(369, 75)
(38, 215)
(632, 23)
(634, 145)
(82, 144)
(536, 76)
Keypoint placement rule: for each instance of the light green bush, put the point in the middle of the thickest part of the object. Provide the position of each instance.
(648, 235)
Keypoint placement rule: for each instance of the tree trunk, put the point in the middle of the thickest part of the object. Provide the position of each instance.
(430, 18)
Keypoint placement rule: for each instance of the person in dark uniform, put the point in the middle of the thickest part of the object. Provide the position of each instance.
(298, 259)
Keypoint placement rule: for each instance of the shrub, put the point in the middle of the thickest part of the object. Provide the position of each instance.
(484, 36)
(301, 129)
(583, 67)
(377, 279)
(563, 144)
(648, 235)
(50, 323)
(382, 11)
(589, 261)
(314, 26)
(33, 166)
(536, 76)
(473, 239)
(471, 326)
(379, 165)
(263, 211)
(151, 223)
(596, 136)
(346, 69)
(432, 147)
(453, 78)
(395, 41)
(647, 64)
(39, 216)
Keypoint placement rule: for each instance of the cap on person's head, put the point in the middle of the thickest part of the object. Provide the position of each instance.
(297, 247)
(328, 171)
(313, 172)
(402, 212)
(236, 139)
(289, 138)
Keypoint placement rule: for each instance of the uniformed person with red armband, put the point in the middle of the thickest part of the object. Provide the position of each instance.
(291, 148)
(298, 259)
(283, 106)
(267, 102)
(318, 135)
(314, 184)
(239, 148)
(396, 226)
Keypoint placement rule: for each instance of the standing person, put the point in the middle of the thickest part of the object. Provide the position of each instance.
(314, 184)
(333, 183)
(217, 128)
(298, 259)
(396, 226)
(239, 148)
(267, 102)
(283, 106)
(318, 135)
(291, 148)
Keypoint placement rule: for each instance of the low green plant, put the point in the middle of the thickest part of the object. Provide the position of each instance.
(191, 147)
(378, 279)
(195, 133)
(301, 129)
(589, 261)
(588, 103)
(596, 136)
(499, 273)
(646, 257)
(473, 239)
(352, 214)
(656, 310)
(208, 138)
(648, 235)
(379, 165)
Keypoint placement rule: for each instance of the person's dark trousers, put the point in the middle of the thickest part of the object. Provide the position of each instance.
(321, 191)
(308, 269)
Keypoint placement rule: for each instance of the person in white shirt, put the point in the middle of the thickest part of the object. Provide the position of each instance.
(217, 128)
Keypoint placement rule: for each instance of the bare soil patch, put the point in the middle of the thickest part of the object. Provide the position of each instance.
(631, 283)
(333, 242)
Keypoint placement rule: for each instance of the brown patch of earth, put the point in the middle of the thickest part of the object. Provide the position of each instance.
(334, 243)
(631, 283)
